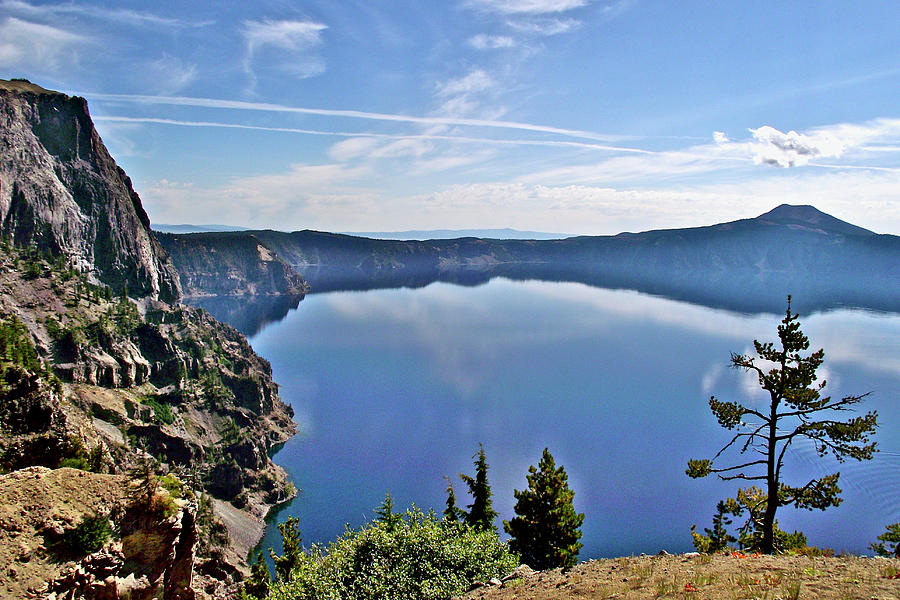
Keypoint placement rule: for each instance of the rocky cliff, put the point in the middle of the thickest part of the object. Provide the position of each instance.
(230, 264)
(99, 373)
(62, 192)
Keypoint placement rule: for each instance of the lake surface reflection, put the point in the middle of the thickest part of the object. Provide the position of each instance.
(395, 388)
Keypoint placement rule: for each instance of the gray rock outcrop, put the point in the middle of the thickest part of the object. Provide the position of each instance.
(61, 191)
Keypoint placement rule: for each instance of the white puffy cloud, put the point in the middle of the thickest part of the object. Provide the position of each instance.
(793, 149)
(27, 45)
(719, 137)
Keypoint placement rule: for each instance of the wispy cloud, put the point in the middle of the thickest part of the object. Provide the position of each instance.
(27, 45)
(474, 82)
(170, 74)
(353, 114)
(530, 7)
(545, 26)
(341, 196)
(482, 41)
(292, 44)
(118, 15)
(695, 160)
(302, 195)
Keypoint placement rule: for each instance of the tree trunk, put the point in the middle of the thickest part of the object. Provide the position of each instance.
(767, 546)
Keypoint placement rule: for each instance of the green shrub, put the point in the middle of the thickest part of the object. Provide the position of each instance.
(88, 536)
(419, 556)
(74, 462)
(162, 412)
(173, 485)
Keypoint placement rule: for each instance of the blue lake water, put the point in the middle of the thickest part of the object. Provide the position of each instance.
(395, 388)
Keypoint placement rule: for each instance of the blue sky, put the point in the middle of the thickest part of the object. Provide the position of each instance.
(575, 116)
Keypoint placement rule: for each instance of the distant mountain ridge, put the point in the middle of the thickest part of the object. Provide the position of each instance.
(506, 233)
(747, 264)
(188, 228)
(809, 217)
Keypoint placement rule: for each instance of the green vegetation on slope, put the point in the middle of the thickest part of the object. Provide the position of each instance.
(411, 555)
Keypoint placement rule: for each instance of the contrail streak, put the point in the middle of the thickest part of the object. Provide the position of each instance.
(354, 114)
(453, 138)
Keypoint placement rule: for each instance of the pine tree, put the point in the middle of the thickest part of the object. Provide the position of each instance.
(547, 529)
(795, 401)
(452, 512)
(889, 544)
(257, 585)
(290, 547)
(385, 513)
(481, 513)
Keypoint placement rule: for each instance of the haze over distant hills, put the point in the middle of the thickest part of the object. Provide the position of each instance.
(450, 234)
(747, 265)
(188, 228)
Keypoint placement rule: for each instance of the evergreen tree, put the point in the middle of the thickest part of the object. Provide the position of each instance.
(257, 585)
(795, 402)
(452, 512)
(752, 501)
(291, 548)
(889, 544)
(481, 513)
(385, 512)
(547, 529)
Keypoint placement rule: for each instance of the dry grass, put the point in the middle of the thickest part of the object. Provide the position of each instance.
(719, 577)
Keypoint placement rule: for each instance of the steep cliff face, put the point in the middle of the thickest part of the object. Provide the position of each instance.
(101, 370)
(230, 264)
(62, 192)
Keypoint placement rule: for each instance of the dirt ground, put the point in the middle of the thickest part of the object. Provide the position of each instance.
(37, 502)
(703, 577)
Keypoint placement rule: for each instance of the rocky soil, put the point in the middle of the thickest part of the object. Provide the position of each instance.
(151, 554)
(703, 577)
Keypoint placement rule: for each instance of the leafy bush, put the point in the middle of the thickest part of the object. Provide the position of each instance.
(419, 556)
(89, 535)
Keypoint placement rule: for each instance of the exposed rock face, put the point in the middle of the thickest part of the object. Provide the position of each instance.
(101, 378)
(62, 192)
(230, 264)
